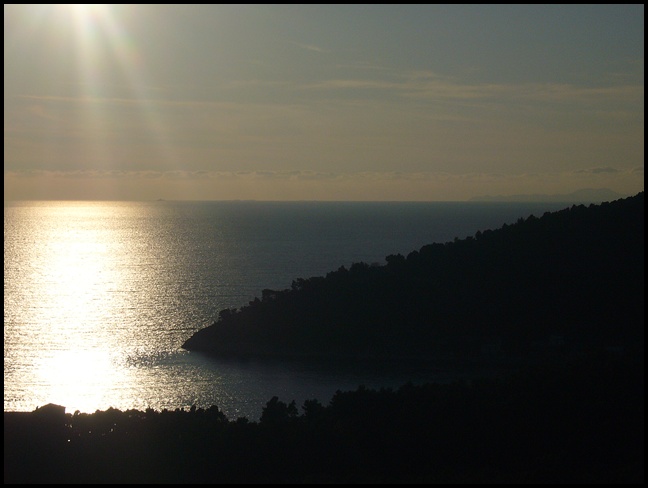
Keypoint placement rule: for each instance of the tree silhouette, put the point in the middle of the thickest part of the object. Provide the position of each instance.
(276, 411)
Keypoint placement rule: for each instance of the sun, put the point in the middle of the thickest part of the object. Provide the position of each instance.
(85, 11)
(87, 17)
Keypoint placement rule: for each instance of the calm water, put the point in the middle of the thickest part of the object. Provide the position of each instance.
(99, 296)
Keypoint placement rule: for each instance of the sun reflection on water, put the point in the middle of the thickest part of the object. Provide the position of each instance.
(66, 315)
(80, 379)
(99, 297)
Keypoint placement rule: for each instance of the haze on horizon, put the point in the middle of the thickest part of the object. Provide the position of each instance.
(321, 102)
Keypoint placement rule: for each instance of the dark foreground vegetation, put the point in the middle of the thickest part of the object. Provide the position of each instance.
(579, 420)
(572, 278)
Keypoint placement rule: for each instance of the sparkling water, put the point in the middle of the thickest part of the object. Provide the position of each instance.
(100, 296)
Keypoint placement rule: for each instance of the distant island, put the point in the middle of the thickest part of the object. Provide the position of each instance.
(585, 195)
(566, 281)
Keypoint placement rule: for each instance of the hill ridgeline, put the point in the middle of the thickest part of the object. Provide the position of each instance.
(571, 279)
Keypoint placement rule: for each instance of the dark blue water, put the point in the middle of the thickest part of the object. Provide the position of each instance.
(99, 296)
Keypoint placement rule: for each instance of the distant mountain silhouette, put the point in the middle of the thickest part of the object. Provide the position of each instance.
(566, 281)
(585, 195)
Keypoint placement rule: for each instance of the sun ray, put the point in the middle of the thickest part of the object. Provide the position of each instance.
(111, 69)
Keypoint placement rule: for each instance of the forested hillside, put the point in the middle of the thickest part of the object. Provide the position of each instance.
(567, 280)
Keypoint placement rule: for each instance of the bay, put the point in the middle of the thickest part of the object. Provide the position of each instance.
(99, 296)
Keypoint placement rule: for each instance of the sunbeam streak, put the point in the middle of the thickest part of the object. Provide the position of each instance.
(111, 70)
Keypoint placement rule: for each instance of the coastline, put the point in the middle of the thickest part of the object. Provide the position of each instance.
(577, 422)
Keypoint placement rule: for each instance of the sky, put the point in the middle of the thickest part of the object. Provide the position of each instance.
(321, 102)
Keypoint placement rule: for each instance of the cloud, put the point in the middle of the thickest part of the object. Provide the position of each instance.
(311, 47)
(310, 175)
(420, 85)
(431, 87)
(599, 170)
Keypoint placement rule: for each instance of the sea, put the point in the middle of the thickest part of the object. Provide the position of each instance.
(100, 296)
